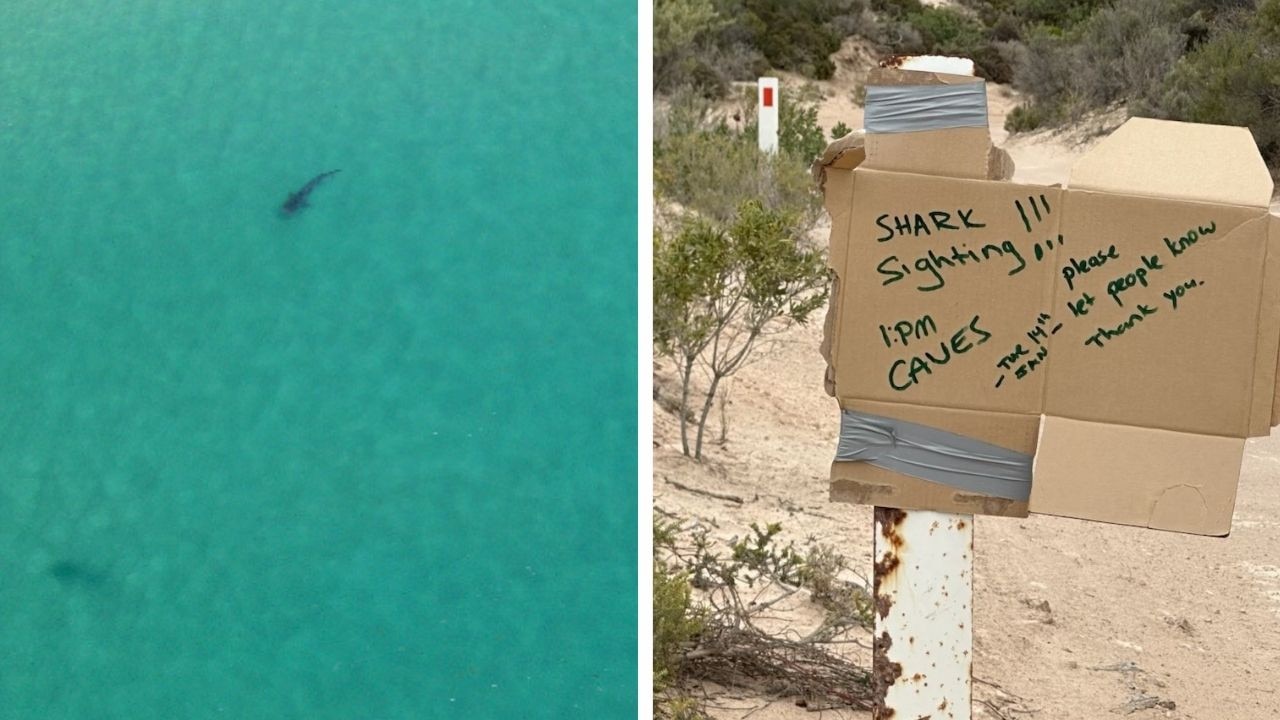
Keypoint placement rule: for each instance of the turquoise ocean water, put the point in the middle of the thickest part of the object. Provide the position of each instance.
(375, 460)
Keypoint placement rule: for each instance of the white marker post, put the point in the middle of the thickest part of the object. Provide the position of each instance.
(922, 663)
(767, 114)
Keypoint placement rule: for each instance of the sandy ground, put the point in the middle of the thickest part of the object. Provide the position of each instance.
(1199, 616)
(1055, 599)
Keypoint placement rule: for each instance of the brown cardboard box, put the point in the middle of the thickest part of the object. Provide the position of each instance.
(1125, 329)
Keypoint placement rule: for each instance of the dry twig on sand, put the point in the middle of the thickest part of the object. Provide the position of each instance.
(737, 656)
(705, 493)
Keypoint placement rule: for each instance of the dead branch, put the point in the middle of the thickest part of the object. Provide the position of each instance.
(732, 657)
(706, 493)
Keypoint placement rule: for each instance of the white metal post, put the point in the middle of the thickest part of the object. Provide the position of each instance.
(767, 114)
(922, 663)
(923, 659)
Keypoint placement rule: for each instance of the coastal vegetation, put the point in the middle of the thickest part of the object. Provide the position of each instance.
(1213, 61)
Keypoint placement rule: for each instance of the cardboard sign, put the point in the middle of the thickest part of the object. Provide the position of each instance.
(1123, 330)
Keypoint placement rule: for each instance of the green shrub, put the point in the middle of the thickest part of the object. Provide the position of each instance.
(678, 23)
(1057, 14)
(1129, 49)
(710, 168)
(897, 8)
(942, 27)
(944, 31)
(1232, 79)
(730, 647)
(1023, 118)
(676, 622)
(711, 173)
(702, 76)
(1210, 61)
(840, 130)
(798, 132)
(678, 708)
(681, 31)
(1048, 70)
(797, 35)
(709, 43)
(1121, 54)
(847, 603)
(1006, 27)
(759, 556)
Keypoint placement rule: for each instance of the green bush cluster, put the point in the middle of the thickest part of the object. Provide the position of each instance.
(706, 165)
(676, 622)
(1233, 78)
(907, 27)
(684, 55)
(795, 35)
(736, 266)
(1197, 60)
(1012, 19)
(707, 44)
(1211, 61)
(712, 172)
(1122, 54)
(1023, 118)
(944, 31)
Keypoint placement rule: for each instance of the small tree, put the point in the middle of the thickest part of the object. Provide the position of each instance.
(716, 293)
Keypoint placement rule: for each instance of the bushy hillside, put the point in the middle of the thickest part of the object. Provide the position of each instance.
(1214, 61)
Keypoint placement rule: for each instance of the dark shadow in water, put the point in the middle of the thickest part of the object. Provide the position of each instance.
(75, 573)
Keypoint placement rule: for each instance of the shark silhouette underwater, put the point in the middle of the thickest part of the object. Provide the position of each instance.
(298, 200)
(77, 573)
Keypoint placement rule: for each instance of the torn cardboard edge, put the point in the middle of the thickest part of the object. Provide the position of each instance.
(1170, 491)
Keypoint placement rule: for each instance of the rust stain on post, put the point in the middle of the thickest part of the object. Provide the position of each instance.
(884, 673)
(888, 520)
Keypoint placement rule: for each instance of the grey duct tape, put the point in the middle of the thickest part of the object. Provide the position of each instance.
(936, 455)
(911, 108)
